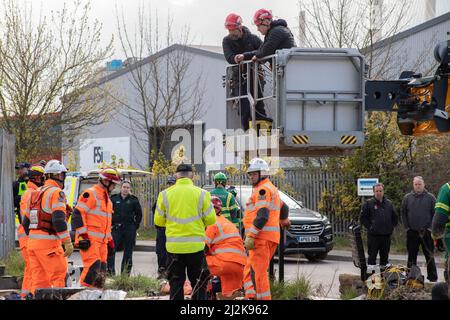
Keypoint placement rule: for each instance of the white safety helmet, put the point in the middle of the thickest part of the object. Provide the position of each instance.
(258, 164)
(54, 166)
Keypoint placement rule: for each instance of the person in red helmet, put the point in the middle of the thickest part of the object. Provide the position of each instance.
(276, 34)
(238, 41)
(226, 256)
(91, 220)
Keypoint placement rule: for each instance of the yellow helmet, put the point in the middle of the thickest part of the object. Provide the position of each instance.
(36, 170)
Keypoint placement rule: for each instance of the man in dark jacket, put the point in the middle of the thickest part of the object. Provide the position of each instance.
(20, 186)
(417, 212)
(238, 41)
(379, 217)
(125, 222)
(161, 251)
(276, 33)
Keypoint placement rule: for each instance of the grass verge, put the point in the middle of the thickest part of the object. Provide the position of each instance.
(349, 293)
(135, 286)
(14, 264)
(299, 289)
(146, 233)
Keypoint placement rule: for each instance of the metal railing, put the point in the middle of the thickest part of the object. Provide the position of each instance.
(262, 73)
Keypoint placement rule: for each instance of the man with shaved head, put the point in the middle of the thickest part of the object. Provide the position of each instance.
(417, 213)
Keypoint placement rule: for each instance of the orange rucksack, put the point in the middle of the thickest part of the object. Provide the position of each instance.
(39, 220)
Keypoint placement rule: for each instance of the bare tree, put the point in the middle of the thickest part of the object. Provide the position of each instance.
(361, 24)
(46, 68)
(168, 92)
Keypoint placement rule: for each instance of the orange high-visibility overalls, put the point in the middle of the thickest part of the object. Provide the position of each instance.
(46, 255)
(227, 257)
(96, 211)
(264, 195)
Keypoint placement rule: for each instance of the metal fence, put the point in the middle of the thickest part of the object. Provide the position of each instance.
(7, 227)
(304, 185)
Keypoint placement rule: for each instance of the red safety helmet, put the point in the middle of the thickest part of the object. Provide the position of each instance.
(233, 22)
(260, 15)
(109, 174)
(217, 203)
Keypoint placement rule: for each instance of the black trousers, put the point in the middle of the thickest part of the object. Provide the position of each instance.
(161, 251)
(378, 244)
(124, 236)
(245, 111)
(246, 114)
(414, 239)
(197, 271)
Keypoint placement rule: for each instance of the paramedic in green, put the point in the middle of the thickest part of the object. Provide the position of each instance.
(440, 227)
(229, 209)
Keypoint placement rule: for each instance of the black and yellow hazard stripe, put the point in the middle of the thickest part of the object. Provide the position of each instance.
(348, 139)
(300, 139)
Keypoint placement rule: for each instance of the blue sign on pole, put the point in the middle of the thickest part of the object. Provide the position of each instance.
(365, 186)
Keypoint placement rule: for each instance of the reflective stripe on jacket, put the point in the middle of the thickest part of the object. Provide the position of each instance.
(53, 199)
(96, 211)
(185, 210)
(264, 195)
(225, 242)
(229, 207)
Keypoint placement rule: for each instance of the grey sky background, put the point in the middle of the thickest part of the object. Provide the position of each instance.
(205, 17)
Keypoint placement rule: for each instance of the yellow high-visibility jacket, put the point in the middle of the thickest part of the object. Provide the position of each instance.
(185, 210)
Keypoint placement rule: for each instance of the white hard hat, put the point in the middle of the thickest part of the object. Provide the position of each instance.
(54, 166)
(258, 164)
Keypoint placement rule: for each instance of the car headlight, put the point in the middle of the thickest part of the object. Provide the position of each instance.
(326, 222)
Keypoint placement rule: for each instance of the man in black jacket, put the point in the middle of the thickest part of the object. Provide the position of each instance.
(125, 222)
(20, 186)
(161, 251)
(379, 217)
(417, 212)
(238, 41)
(276, 33)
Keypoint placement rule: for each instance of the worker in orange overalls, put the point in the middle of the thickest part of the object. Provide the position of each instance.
(91, 221)
(46, 226)
(225, 256)
(262, 230)
(36, 179)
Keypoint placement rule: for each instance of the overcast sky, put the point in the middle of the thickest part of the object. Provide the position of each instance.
(206, 17)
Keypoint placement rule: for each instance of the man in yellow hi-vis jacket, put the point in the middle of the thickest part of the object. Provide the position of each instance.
(185, 210)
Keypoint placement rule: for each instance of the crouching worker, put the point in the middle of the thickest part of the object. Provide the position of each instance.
(225, 254)
(91, 221)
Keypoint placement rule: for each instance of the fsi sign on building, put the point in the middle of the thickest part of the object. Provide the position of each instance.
(365, 186)
(93, 152)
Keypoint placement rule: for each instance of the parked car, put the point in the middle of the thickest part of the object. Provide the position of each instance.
(310, 233)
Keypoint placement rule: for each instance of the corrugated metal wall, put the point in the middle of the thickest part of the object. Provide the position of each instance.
(8, 158)
(414, 52)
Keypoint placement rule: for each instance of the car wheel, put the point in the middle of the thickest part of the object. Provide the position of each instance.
(313, 257)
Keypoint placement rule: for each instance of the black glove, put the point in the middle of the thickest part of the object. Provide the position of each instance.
(84, 243)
